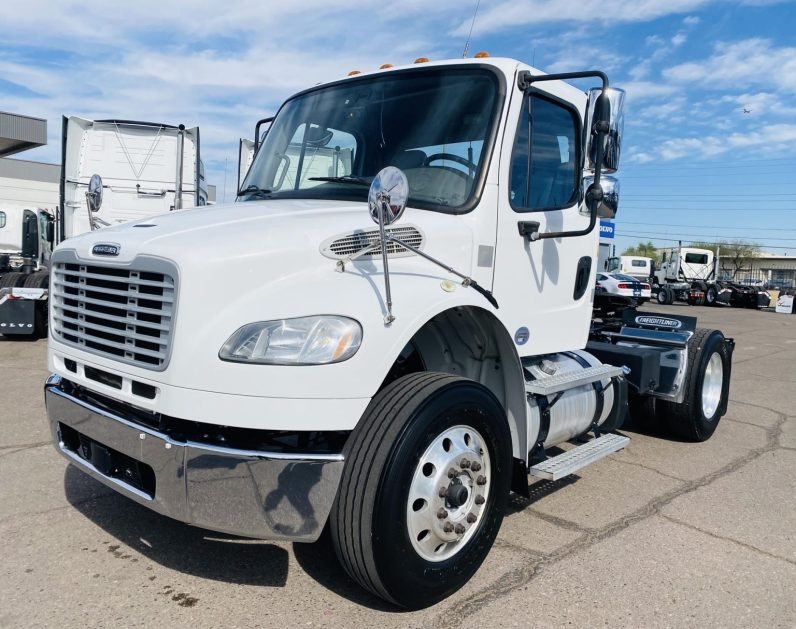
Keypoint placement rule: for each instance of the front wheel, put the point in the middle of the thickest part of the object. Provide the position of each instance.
(424, 488)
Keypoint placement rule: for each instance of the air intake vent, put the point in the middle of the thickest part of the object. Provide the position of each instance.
(339, 247)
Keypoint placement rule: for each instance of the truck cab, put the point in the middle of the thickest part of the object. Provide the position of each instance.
(387, 331)
(639, 267)
(113, 171)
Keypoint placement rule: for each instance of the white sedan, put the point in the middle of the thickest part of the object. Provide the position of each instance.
(625, 285)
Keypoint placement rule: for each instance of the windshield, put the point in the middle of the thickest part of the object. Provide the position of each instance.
(696, 258)
(435, 125)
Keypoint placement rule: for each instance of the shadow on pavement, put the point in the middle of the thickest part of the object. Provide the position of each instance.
(175, 545)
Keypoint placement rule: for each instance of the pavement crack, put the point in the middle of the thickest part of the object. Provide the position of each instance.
(71, 505)
(559, 522)
(726, 539)
(26, 446)
(652, 469)
(522, 575)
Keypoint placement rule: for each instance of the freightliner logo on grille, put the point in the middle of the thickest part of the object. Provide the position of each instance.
(104, 249)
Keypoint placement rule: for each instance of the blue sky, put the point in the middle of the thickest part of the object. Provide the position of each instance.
(694, 166)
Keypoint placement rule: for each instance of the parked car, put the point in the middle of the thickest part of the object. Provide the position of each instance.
(625, 285)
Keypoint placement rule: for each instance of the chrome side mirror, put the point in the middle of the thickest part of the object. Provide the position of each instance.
(94, 194)
(389, 191)
(614, 102)
(609, 202)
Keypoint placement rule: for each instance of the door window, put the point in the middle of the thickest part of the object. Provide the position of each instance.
(2, 219)
(546, 145)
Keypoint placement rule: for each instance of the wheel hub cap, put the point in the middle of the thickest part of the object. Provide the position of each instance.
(712, 386)
(448, 493)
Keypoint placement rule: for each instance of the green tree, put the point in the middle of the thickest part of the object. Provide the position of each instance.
(643, 249)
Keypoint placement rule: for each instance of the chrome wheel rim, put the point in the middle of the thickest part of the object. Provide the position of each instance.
(448, 494)
(712, 385)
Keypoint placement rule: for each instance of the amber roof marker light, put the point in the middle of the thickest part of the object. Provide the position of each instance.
(421, 60)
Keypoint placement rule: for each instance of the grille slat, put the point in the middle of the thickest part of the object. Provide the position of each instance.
(116, 305)
(121, 333)
(344, 245)
(68, 310)
(112, 291)
(118, 312)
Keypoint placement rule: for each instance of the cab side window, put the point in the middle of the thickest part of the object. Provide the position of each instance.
(547, 141)
(2, 219)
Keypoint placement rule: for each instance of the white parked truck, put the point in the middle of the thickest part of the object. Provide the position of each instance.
(639, 267)
(388, 344)
(138, 169)
(689, 274)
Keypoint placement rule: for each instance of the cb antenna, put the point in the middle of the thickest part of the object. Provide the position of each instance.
(470, 34)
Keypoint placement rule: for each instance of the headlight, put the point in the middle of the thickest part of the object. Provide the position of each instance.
(304, 341)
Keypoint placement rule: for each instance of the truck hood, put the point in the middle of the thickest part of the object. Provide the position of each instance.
(220, 231)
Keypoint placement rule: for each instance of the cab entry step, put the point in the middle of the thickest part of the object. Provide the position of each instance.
(571, 461)
(571, 379)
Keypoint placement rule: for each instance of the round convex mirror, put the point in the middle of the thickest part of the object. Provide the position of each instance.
(388, 193)
(94, 194)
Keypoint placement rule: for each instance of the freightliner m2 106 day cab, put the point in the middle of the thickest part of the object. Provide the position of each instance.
(112, 171)
(386, 333)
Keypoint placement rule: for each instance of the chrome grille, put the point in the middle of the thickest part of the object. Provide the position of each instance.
(117, 312)
(341, 246)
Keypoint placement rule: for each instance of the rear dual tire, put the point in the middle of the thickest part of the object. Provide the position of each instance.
(707, 388)
(389, 521)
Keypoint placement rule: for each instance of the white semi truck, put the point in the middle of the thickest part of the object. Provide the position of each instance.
(689, 274)
(138, 169)
(393, 341)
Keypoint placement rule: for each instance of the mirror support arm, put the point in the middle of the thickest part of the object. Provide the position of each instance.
(594, 195)
(466, 281)
(383, 200)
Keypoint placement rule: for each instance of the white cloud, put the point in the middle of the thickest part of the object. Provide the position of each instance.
(679, 39)
(773, 139)
(643, 90)
(691, 20)
(747, 62)
(514, 13)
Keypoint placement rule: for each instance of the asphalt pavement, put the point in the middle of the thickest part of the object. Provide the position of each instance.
(662, 534)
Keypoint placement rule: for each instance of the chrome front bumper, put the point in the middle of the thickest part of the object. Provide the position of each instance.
(266, 495)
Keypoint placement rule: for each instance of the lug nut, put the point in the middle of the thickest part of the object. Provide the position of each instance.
(447, 527)
(452, 473)
(442, 514)
(443, 491)
(476, 466)
(464, 464)
(479, 500)
(459, 529)
(481, 480)
(471, 517)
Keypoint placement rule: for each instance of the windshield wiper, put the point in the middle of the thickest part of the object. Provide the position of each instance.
(358, 181)
(263, 193)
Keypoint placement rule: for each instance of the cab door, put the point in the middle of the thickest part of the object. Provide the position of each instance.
(545, 287)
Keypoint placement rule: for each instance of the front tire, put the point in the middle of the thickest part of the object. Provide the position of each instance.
(707, 388)
(424, 489)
